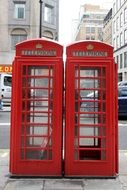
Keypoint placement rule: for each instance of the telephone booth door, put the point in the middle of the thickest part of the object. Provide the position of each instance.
(36, 127)
(91, 142)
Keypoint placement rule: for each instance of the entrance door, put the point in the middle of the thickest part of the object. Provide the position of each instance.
(89, 137)
(38, 131)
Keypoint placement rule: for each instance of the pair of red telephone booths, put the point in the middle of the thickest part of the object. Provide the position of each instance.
(87, 144)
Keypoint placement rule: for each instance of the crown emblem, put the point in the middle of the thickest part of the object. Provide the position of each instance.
(38, 46)
(89, 47)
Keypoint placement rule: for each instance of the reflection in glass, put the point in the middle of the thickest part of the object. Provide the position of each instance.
(90, 113)
(37, 114)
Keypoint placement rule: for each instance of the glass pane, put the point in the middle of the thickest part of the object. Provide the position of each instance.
(89, 83)
(88, 72)
(37, 154)
(90, 113)
(37, 105)
(88, 141)
(89, 131)
(90, 155)
(39, 118)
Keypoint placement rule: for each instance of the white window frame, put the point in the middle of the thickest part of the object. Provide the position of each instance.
(121, 2)
(121, 61)
(17, 8)
(125, 15)
(121, 19)
(114, 26)
(49, 14)
(117, 24)
(117, 42)
(16, 38)
(125, 36)
(121, 39)
(125, 59)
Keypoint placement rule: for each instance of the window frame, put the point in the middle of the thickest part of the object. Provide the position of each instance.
(49, 14)
(17, 8)
(125, 15)
(20, 37)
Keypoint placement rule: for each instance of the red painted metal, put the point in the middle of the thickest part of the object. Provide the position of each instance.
(91, 147)
(36, 117)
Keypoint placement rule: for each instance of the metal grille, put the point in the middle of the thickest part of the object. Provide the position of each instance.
(37, 109)
(90, 113)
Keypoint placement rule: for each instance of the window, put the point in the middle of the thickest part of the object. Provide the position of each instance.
(92, 37)
(49, 14)
(114, 43)
(114, 8)
(121, 19)
(87, 30)
(16, 39)
(7, 81)
(19, 10)
(87, 37)
(121, 2)
(122, 92)
(121, 61)
(125, 15)
(117, 23)
(99, 30)
(114, 26)
(117, 59)
(117, 42)
(86, 16)
(125, 36)
(17, 35)
(48, 34)
(92, 29)
(116, 5)
(121, 39)
(125, 59)
(120, 76)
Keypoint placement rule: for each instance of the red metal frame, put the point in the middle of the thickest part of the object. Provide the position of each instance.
(91, 123)
(36, 124)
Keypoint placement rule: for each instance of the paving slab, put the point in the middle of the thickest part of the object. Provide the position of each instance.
(4, 160)
(64, 184)
(103, 184)
(123, 179)
(123, 162)
(24, 185)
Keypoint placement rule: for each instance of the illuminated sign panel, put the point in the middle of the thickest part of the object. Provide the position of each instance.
(39, 52)
(89, 53)
(5, 69)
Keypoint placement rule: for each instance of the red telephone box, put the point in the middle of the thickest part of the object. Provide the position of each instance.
(36, 120)
(91, 110)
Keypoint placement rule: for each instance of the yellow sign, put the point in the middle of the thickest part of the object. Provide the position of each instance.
(5, 69)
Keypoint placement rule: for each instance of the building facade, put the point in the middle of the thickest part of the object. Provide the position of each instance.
(19, 20)
(90, 25)
(107, 28)
(119, 36)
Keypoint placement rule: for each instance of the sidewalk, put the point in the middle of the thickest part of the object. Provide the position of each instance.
(120, 183)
